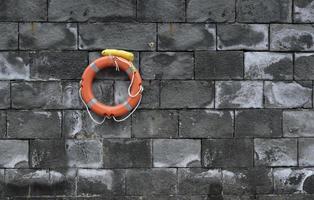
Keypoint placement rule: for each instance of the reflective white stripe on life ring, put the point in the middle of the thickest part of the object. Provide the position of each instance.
(127, 106)
(94, 67)
(91, 102)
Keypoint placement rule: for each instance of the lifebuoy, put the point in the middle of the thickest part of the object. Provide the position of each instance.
(121, 60)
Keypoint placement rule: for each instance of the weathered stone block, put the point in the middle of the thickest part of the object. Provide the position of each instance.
(88, 10)
(127, 153)
(167, 65)
(258, 123)
(63, 181)
(211, 11)
(77, 124)
(20, 10)
(151, 181)
(14, 65)
(100, 181)
(132, 36)
(306, 151)
(70, 94)
(264, 11)
(242, 36)
(5, 94)
(199, 181)
(43, 95)
(161, 11)
(58, 65)
(288, 94)
(227, 152)
(268, 65)
(239, 94)
(8, 36)
(180, 153)
(56, 36)
(303, 11)
(84, 153)
(206, 124)
(34, 124)
(298, 123)
(189, 94)
(13, 154)
(303, 69)
(151, 95)
(48, 154)
(275, 152)
(186, 37)
(291, 37)
(219, 65)
(3, 124)
(155, 124)
(297, 196)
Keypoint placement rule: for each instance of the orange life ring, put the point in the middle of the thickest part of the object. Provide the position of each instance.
(135, 92)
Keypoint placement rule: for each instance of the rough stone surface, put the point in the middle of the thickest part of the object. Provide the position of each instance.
(70, 95)
(267, 11)
(303, 11)
(306, 150)
(180, 153)
(291, 37)
(34, 124)
(82, 10)
(14, 154)
(5, 94)
(303, 69)
(258, 123)
(14, 65)
(288, 94)
(186, 37)
(206, 124)
(227, 153)
(275, 152)
(48, 36)
(242, 36)
(189, 94)
(3, 125)
(218, 65)
(8, 36)
(161, 11)
(155, 124)
(118, 35)
(266, 65)
(298, 123)
(239, 94)
(167, 65)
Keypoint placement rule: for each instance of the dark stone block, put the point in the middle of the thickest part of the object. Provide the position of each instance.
(5, 94)
(13, 154)
(8, 36)
(303, 69)
(15, 65)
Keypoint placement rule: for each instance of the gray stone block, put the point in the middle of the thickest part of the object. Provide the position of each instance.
(288, 94)
(297, 196)
(155, 124)
(34, 124)
(258, 123)
(14, 154)
(303, 11)
(100, 181)
(70, 95)
(92, 11)
(242, 36)
(5, 94)
(199, 181)
(306, 151)
(268, 65)
(188, 94)
(291, 37)
(84, 153)
(267, 11)
(14, 65)
(151, 181)
(206, 124)
(52, 36)
(8, 36)
(275, 152)
(227, 153)
(161, 11)
(210, 11)
(186, 37)
(127, 153)
(63, 182)
(298, 123)
(58, 65)
(43, 95)
(180, 153)
(151, 94)
(3, 124)
(20, 10)
(239, 94)
(219, 65)
(131, 36)
(167, 65)
(303, 69)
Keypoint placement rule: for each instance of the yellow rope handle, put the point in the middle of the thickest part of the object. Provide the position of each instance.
(120, 53)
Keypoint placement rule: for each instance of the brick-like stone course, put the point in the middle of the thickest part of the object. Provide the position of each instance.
(226, 114)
